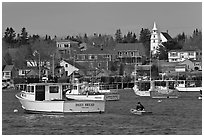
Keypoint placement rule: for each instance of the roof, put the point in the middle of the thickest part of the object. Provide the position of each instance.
(165, 63)
(166, 35)
(96, 50)
(8, 68)
(71, 62)
(130, 46)
(184, 50)
(33, 72)
(74, 42)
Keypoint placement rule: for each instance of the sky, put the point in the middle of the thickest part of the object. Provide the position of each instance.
(68, 18)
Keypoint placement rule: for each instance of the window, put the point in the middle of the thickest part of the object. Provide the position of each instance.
(75, 87)
(173, 54)
(132, 54)
(54, 89)
(7, 73)
(66, 65)
(91, 57)
(153, 41)
(66, 73)
(119, 53)
(32, 89)
(23, 72)
(190, 54)
(28, 88)
(83, 57)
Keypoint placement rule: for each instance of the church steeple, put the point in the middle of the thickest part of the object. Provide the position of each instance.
(154, 28)
(154, 39)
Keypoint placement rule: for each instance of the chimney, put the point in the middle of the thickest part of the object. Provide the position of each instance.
(167, 31)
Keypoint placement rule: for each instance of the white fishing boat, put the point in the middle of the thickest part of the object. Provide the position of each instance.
(156, 89)
(188, 86)
(82, 91)
(111, 94)
(85, 91)
(163, 89)
(50, 98)
(141, 88)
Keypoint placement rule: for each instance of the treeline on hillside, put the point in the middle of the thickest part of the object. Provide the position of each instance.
(25, 44)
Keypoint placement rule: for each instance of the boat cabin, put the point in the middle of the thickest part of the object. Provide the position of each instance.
(45, 91)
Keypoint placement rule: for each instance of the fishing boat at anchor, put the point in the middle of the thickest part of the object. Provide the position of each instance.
(86, 91)
(156, 89)
(189, 86)
(51, 98)
(163, 89)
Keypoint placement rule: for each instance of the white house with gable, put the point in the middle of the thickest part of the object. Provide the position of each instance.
(69, 67)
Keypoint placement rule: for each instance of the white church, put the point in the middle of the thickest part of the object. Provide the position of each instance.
(157, 39)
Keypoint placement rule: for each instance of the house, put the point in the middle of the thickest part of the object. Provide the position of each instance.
(180, 68)
(130, 53)
(70, 67)
(9, 72)
(192, 65)
(34, 63)
(183, 54)
(64, 46)
(95, 57)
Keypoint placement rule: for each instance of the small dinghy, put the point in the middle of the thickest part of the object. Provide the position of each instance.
(137, 112)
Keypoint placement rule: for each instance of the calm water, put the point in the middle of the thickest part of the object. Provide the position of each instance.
(171, 116)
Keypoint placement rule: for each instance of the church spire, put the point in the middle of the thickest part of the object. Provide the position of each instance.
(154, 28)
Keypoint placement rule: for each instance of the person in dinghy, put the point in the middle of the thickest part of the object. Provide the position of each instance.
(139, 107)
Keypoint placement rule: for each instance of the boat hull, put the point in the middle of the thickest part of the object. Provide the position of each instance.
(170, 93)
(107, 97)
(138, 92)
(142, 112)
(85, 97)
(61, 106)
(189, 89)
(112, 97)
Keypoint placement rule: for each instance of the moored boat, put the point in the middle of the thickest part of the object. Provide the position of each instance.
(164, 89)
(50, 98)
(85, 91)
(189, 86)
(141, 88)
(140, 112)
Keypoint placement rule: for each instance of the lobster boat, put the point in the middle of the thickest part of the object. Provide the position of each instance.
(51, 98)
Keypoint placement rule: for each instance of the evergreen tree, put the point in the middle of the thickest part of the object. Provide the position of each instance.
(9, 35)
(134, 39)
(24, 36)
(145, 35)
(118, 36)
(6, 34)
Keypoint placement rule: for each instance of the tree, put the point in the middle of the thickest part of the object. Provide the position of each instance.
(145, 35)
(118, 36)
(8, 59)
(24, 36)
(134, 39)
(9, 35)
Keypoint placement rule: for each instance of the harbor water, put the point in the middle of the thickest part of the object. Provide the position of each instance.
(182, 116)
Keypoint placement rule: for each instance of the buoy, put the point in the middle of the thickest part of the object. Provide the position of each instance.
(159, 101)
(15, 110)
